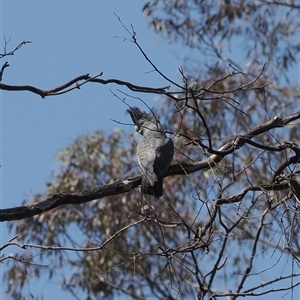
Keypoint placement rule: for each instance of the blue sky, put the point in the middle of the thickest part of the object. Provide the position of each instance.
(69, 38)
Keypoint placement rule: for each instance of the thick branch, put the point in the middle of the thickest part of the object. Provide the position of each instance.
(56, 200)
(6, 64)
(235, 144)
(75, 84)
(120, 187)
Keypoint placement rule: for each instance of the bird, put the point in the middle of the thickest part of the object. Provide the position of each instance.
(155, 151)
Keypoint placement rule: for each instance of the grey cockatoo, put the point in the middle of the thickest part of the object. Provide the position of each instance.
(154, 151)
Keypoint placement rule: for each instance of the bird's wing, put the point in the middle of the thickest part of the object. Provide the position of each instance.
(146, 155)
(164, 157)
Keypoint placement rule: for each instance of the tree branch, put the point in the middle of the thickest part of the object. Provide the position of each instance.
(75, 84)
(120, 187)
(6, 64)
(12, 52)
(78, 249)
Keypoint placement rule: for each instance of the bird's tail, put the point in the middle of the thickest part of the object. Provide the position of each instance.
(156, 190)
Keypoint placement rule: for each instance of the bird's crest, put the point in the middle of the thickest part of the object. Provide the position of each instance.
(137, 115)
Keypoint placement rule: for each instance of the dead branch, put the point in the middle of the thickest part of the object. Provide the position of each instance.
(12, 52)
(92, 247)
(6, 64)
(76, 84)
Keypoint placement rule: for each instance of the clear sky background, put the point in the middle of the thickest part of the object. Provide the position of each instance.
(69, 38)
